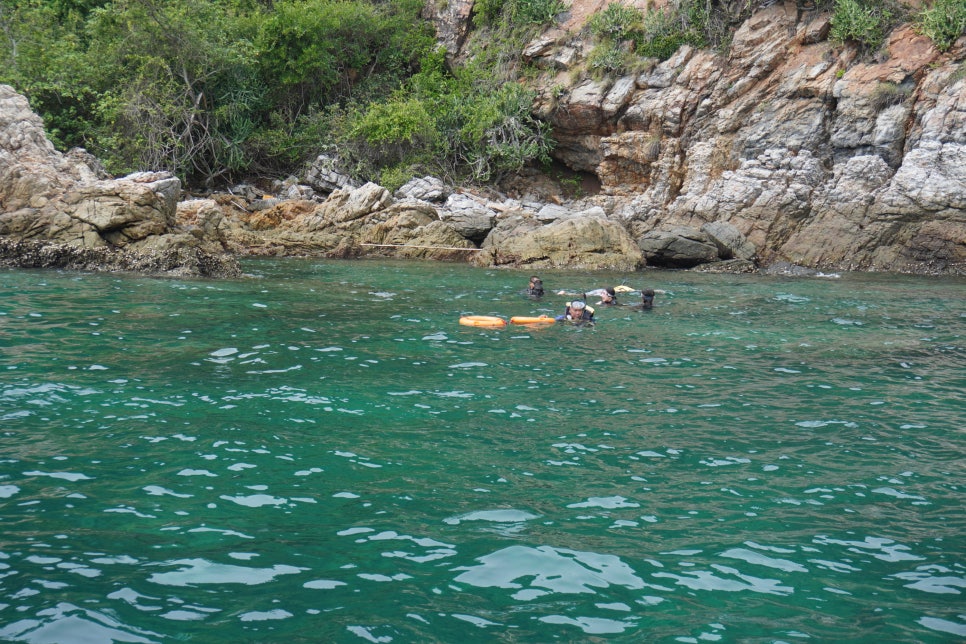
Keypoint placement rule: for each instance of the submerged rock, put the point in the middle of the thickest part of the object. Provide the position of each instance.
(176, 261)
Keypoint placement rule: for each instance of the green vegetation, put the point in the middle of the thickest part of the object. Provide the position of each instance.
(888, 94)
(665, 31)
(943, 22)
(865, 22)
(460, 126)
(624, 35)
(218, 90)
(617, 21)
(615, 28)
(516, 12)
(222, 90)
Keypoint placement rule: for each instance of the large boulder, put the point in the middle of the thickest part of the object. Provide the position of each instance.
(679, 247)
(586, 241)
(729, 240)
(325, 175)
(424, 189)
(62, 210)
(177, 260)
(471, 218)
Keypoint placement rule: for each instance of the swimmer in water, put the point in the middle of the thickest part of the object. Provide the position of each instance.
(607, 295)
(577, 312)
(535, 288)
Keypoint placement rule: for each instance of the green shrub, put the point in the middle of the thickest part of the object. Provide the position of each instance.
(389, 133)
(537, 12)
(860, 21)
(516, 12)
(608, 57)
(662, 34)
(658, 33)
(313, 49)
(943, 22)
(399, 121)
(497, 134)
(487, 12)
(280, 144)
(617, 22)
(888, 94)
(217, 89)
(395, 177)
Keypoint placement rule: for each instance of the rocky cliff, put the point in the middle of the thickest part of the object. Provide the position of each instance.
(813, 156)
(785, 149)
(62, 211)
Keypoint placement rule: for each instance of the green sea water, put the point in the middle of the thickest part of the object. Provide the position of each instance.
(319, 452)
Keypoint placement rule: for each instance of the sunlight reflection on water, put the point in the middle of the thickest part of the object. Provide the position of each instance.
(234, 462)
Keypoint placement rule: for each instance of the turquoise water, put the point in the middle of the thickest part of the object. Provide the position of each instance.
(320, 452)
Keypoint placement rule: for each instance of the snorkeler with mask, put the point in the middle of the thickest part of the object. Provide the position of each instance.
(577, 312)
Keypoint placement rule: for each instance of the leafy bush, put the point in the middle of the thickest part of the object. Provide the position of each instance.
(662, 35)
(616, 27)
(860, 21)
(658, 33)
(888, 94)
(538, 12)
(400, 130)
(498, 134)
(617, 22)
(943, 22)
(516, 12)
(608, 57)
(208, 89)
(215, 90)
(315, 50)
(465, 126)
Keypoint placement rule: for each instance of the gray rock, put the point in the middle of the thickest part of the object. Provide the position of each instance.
(325, 176)
(424, 189)
(589, 243)
(679, 247)
(467, 216)
(61, 210)
(729, 240)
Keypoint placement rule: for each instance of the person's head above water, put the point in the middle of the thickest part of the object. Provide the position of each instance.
(536, 286)
(647, 298)
(577, 305)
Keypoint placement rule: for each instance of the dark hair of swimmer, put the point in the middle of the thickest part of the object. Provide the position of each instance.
(647, 298)
(535, 289)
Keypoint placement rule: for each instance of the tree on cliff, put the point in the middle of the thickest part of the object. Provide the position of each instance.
(203, 87)
(217, 89)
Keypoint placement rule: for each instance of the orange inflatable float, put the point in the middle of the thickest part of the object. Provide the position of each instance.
(490, 321)
(522, 319)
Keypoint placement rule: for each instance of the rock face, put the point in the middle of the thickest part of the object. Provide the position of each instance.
(587, 240)
(785, 151)
(804, 153)
(62, 210)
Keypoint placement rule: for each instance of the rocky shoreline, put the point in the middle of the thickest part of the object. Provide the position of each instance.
(782, 154)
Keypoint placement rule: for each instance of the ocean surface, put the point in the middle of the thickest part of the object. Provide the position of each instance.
(319, 452)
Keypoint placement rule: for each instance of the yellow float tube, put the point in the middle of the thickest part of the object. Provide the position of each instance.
(490, 321)
(522, 319)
